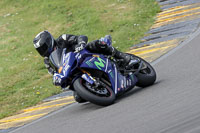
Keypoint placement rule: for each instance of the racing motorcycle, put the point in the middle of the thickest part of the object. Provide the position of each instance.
(98, 78)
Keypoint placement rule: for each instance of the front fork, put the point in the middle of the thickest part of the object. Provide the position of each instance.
(87, 77)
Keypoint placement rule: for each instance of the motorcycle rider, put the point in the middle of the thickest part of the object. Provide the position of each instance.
(45, 44)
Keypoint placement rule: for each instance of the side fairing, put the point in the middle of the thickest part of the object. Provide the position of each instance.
(126, 82)
(119, 82)
(68, 60)
(103, 64)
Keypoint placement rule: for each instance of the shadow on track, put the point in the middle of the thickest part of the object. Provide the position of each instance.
(135, 91)
(85, 107)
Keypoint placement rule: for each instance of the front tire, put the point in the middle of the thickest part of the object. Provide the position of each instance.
(78, 98)
(86, 94)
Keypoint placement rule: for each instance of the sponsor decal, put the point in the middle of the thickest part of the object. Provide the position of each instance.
(130, 82)
(78, 56)
(100, 64)
(132, 78)
(111, 74)
(66, 58)
(66, 68)
(89, 63)
(122, 84)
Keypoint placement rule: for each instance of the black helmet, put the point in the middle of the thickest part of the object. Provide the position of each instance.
(44, 43)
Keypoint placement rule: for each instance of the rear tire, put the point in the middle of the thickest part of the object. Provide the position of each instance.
(147, 76)
(86, 94)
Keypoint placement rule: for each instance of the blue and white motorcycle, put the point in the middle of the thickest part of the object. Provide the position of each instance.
(97, 78)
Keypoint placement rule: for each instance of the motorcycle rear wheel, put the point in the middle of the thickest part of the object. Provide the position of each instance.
(147, 76)
(86, 94)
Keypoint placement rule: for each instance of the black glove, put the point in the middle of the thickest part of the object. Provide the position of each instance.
(47, 65)
(51, 70)
(46, 62)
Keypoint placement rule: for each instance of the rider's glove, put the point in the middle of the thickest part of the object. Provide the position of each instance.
(79, 47)
(47, 65)
(57, 79)
(51, 70)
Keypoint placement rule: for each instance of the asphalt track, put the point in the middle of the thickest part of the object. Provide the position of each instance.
(171, 105)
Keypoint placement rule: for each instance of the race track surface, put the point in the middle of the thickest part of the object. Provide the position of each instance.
(172, 105)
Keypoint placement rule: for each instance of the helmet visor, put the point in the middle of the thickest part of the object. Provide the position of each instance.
(43, 50)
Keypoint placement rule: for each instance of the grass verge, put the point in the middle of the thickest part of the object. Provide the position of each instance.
(23, 79)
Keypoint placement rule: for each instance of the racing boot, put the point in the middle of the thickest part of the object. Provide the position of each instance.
(128, 61)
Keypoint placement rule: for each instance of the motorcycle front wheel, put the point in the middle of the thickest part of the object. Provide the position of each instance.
(103, 96)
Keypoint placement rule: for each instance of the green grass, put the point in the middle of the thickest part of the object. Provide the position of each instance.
(23, 78)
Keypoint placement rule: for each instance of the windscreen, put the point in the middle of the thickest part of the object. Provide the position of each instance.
(55, 59)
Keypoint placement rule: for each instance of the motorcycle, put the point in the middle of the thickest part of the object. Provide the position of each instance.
(98, 78)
